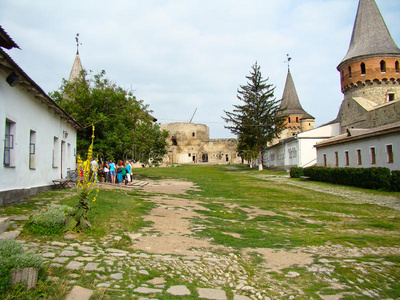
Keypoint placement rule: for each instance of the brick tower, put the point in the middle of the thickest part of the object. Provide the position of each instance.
(370, 73)
(298, 119)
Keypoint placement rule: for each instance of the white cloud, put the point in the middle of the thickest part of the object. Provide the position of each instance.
(179, 55)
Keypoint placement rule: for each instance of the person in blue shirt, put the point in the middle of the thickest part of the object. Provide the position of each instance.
(112, 171)
(128, 171)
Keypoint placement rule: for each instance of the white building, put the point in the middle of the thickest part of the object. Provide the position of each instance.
(362, 148)
(299, 150)
(39, 138)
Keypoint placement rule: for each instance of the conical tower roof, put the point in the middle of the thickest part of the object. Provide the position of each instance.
(290, 100)
(370, 34)
(76, 68)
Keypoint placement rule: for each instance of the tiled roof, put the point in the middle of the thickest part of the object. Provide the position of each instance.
(361, 133)
(370, 33)
(76, 68)
(290, 100)
(6, 41)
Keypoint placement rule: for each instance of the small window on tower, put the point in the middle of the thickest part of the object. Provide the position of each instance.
(391, 97)
(363, 70)
(383, 66)
(349, 72)
(397, 66)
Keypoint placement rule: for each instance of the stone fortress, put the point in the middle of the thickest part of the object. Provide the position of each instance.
(191, 143)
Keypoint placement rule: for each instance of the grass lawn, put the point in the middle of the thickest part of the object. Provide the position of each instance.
(356, 241)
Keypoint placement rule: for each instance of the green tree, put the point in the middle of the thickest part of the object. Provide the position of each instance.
(259, 119)
(124, 126)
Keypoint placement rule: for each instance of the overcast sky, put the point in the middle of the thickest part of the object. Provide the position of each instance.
(179, 55)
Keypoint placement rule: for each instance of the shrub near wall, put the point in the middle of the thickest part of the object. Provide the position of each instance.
(296, 172)
(395, 181)
(370, 178)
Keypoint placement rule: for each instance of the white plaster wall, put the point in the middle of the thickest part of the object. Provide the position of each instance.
(29, 114)
(364, 145)
(323, 131)
(300, 151)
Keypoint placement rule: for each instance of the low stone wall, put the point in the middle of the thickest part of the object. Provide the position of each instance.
(13, 196)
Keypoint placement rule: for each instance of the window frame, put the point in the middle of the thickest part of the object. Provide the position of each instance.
(372, 151)
(359, 157)
(346, 158)
(9, 143)
(389, 154)
(32, 153)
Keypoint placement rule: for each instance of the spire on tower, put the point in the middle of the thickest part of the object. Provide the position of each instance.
(290, 99)
(288, 62)
(77, 43)
(77, 66)
(370, 33)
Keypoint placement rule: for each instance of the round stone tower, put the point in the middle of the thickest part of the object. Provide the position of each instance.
(370, 71)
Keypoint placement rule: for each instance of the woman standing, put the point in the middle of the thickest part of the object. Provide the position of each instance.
(128, 172)
(120, 170)
(112, 171)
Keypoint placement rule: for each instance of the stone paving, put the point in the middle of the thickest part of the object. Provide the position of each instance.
(140, 275)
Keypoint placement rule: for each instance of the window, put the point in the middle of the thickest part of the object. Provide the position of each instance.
(189, 154)
(383, 66)
(397, 66)
(359, 158)
(32, 150)
(193, 134)
(56, 152)
(289, 119)
(389, 152)
(8, 158)
(346, 158)
(391, 97)
(336, 159)
(297, 119)
(324, 160)
(350, 72)
(363, 70)
(373, 155)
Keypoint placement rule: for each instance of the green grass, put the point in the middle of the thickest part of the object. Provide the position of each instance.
(245, 208)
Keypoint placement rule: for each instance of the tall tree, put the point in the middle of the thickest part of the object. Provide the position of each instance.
(259, 119)
(124, 126)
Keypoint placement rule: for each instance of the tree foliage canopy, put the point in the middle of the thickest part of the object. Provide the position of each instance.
(259, 119)
(124, 126)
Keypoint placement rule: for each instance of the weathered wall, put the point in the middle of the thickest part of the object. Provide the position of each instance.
(191, 143)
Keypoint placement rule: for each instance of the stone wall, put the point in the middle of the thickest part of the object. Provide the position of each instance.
(191, 143)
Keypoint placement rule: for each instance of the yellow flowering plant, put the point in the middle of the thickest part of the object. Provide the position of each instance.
(86, 185)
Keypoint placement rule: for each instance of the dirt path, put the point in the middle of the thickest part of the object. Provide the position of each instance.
(172, 232)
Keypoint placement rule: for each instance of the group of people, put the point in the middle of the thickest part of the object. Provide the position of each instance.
(118, 173)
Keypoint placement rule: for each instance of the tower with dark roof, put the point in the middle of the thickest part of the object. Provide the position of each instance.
(298, 119)
(370, 72)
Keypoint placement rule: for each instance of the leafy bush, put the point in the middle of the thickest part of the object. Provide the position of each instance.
(26, 260)
(395, 181)
(50, 220)
(296, 172)
(9, 248)
(370, 178)
(12, 256)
